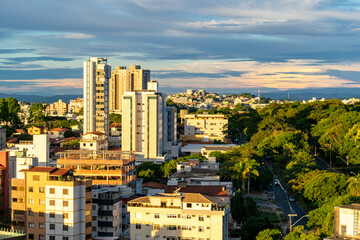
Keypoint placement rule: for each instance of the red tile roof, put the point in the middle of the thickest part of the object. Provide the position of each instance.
(11, 140)
(115, 125)
(41, 169)
(60, 172)
(59, 130)
(96, 133)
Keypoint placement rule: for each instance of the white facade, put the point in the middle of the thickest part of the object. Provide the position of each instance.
(96, 95)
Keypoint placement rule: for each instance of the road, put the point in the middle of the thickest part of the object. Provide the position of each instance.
(324, 165)
(290, 207)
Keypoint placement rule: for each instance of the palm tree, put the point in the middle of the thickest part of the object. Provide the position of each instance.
(244, 169)
(354, 185)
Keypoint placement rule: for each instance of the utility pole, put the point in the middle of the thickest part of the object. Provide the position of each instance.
(291, 215)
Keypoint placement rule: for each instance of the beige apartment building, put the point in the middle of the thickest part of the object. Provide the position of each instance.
(96, 95)
(126, 80)
(346, 222)
(59, 107)
(207, 127)
(51, 204)
(186, 216)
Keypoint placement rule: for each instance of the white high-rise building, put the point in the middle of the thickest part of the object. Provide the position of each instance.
(147, 124)
(96, 95)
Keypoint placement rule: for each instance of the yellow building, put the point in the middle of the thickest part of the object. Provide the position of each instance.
(49, 203)
(60, 107)
(126, 80)
(37, 130)
(190, 216)
(206, 126)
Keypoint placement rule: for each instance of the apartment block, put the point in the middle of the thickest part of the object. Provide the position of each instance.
(75, 105)
(148, 126)
(94, 141)
(96, 95)
(126, 80)
(178, 216)
(347, 222)
(51, 204)
(59, 108)
(206, 126)
(106, 212)
(103, 168)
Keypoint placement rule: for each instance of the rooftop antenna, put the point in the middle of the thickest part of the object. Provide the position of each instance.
(177, 190)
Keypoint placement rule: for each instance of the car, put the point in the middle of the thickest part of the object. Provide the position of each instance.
(292, 199)
(277, 182)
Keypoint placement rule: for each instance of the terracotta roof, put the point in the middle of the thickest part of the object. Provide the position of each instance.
(19, 130)
(140, 200)
(207, 190)
(70, 139)
(154, 185)
(115, 125)
(11, 140)
(59, 130)
(96, 133)
(41, 169)
(60, 172)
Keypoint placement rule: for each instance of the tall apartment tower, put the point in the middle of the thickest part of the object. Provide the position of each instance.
(126, 80)
(145, 124)
(96, 95)
(51, 204)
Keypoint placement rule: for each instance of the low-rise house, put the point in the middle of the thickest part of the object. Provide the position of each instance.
(37, 130)
(57, 132)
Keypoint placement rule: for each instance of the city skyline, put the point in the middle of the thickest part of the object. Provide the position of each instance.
(228, 45)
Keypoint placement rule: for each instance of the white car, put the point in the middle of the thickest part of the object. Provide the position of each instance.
(292, 199)
(277, 182)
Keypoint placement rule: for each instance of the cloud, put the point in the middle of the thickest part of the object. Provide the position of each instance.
(71, 36)
(6, 74)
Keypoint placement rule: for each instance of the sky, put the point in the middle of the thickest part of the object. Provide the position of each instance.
(228, 44)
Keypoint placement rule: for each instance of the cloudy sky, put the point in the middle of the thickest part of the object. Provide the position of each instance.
(228, 44)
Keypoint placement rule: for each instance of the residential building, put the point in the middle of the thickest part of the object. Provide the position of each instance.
(5, 183)
(50, 203)
(103, 167)
(178, 216)
(59, 108)
(96, 99)
(94, 141)
(115, 135)
(106, 212)
(192, 164)
(2, 138)
(148, 127)
(126, 80)
(57, 132)
(206, 126)
(37, 130)
(75, 105)
(347, 222)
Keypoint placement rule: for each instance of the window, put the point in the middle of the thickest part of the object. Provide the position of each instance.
(36, 178)
(52, 226)
(52, 238)
(156, 227)
(138, 215)
(201, 229)
(30, 212)
(52, 190)
(65, 227)
(188, 205)
(41, 237)
(65, 238)
(41, 214)
(31, 201)
(65, 191)
(65, 215)
(156, 215)
(187, 228)
(65, 203)
(201, 218)
(137, 237)
(52, 202)
(171, 215)
(172, 227)
(138, 226)
(41, 225)
(31, 236)
(41, 201)
(41, 189)
(31, 224)
(52, 215)
(31, 189)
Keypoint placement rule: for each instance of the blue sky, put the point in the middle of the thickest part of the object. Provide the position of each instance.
(228, 44)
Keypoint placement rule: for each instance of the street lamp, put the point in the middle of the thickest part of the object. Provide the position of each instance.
(295, 215)
(347, 162)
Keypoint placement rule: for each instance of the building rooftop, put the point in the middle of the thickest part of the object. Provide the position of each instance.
(96, 133)
(355, 206)
(59, 130)
(206, 190)
(154, 185)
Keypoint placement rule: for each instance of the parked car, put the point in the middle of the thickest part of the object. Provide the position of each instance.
(277, 182)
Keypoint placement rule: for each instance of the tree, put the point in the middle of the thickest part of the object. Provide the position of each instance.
(244, 169)
(354, 185)
(115, 118)
(37, 113)
(298, 234)
(13, 109)
(269, 234)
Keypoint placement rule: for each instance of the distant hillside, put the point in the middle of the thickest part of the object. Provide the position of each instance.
(36, 98)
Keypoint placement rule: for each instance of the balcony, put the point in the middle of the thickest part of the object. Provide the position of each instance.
(105, 224)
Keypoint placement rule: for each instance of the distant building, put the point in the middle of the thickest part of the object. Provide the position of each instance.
(96, 99)
(206, 126)
(59, 107)
(115, 135)
(178, 216)
(126, 80)
(94, 141)
(75, 105)
(51, 204)
(37, 130)
(190, 91)
(57, 132)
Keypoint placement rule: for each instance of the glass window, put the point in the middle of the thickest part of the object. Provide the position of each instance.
(65, 191)
(41, 225)
(31, 224)
(41, 189)
(157, 215)
(65, 203)
(52, 202)
(52, 190)
(52, 215)
(36, 178)
(31, 189)
(65, 227)
(41, 214)
(138, 226)
(52, 226)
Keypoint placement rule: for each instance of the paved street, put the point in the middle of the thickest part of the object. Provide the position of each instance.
(290, 207)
